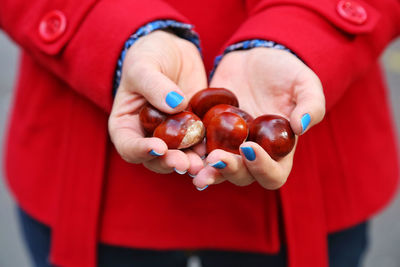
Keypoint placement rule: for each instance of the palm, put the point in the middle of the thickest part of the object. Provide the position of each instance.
(127, 110)
(173, 57)
(263, 80)
(156, 65)
(266, 81)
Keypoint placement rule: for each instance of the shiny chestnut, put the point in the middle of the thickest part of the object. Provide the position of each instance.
(205, 99)
(150, 118)
(226, 131)
(218, 109)
(181, 130)
(274, 134)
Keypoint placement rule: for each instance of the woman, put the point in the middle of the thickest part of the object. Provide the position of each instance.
(66, 174)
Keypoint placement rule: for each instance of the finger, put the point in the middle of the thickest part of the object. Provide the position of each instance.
(133, 148)
(310, 103)
(230, 166)
(207, 176)
(200, 149)
(196, 163)
(173, 160)
(148, 81)
(269, 173)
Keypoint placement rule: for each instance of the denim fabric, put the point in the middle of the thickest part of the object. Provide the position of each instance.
(346, 249)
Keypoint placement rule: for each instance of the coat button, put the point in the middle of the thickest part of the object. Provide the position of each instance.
(352, 11)
(52, 26)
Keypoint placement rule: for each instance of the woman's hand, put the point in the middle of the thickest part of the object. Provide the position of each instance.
(266, 81)
(166, 71)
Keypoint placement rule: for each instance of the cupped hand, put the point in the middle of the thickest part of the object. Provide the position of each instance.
(166, 71)
(266, 81)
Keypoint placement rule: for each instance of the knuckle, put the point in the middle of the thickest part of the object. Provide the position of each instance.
(125, 153)
(270, 185)
(245, 182)
(157, 168)
(135, 70)
(128, 158)
(323, 111)
(241, 180)
(320, 113)
(273, 183)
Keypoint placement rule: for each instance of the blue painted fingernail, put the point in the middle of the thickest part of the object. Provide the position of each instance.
(248, 153)
(153, 153)
(191, 175)
(173, 99)
(218, 165)
(201, 189)
(305, 121)
(180, 172)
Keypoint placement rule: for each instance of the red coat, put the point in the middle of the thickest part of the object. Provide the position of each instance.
(63, 170)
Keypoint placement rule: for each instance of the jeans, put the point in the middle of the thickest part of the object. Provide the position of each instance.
(346, 249)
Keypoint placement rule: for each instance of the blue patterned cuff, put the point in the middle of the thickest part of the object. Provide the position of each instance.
(245, 45)
(182, 30)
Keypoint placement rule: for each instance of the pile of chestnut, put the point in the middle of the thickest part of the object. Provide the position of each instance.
(223, 125)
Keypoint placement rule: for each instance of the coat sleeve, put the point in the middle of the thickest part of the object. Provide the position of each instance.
(80, 40)
(338, 40)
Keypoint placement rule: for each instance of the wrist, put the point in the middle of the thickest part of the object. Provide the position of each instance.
(182, 30)
(246, 45)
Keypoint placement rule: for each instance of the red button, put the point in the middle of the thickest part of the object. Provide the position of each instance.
(52, 26)
(352, 11)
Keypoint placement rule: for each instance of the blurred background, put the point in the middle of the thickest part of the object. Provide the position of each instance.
(385, 230)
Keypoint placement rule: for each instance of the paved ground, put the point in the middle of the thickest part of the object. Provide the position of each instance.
(385, 234)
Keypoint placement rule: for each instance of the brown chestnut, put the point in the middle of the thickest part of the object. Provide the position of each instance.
(226, 131)
(215, 110)
(274, 134)
(150, 118)
(181, 130)
(205, 99)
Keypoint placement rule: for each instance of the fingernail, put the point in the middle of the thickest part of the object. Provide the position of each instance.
(191, 175)
(180, 172)
(305, 121)
(248, 153)
(173, 99)
(218, 165)
(201, 189)
(153, 153)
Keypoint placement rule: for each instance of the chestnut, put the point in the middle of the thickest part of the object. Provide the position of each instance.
(205, 99)
(215, 110)
(226, 131)
(150, 118)
(274, 134)
(181, 130)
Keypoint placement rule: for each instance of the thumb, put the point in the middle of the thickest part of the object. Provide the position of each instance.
(310, 105)
(159, 90)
